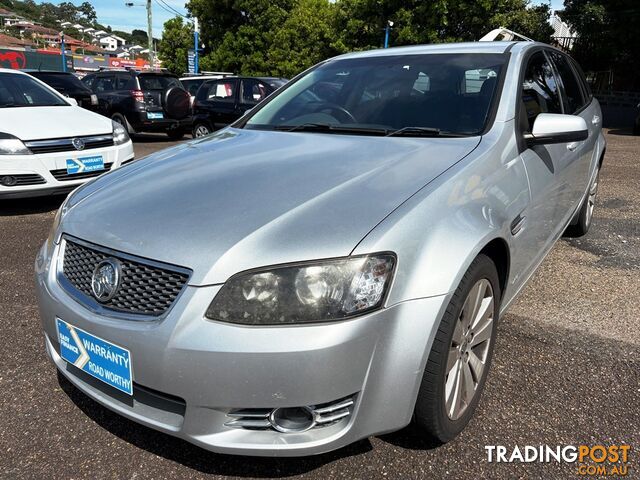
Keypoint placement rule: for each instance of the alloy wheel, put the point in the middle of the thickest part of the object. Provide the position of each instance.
(591, 199)
(469, 349)
(201, 131)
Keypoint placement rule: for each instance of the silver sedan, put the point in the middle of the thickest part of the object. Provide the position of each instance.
(334, 264)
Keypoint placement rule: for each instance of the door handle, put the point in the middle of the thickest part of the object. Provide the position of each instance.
(595, 120)
(572, 146)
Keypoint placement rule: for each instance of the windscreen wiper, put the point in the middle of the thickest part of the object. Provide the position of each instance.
(329, 128)
(415, 132)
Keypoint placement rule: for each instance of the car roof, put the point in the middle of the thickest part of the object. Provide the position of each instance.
(461, 47)
(205, 77)
(33, 70)
(11, 70)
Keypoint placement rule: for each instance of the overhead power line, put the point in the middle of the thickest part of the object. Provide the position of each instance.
(168, 8)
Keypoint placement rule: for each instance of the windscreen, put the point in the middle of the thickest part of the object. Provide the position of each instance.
(192, 85)
(450, 93)
(24, 91)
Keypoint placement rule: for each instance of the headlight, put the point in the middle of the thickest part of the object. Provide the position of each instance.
(54, 235)
(306, 293)
(10, 145)
(120, 134)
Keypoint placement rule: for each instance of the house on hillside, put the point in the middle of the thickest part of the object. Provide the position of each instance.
(7, 41)
(111, 43)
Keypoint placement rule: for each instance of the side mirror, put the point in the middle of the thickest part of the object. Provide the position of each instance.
(551, 128)
(72, 101)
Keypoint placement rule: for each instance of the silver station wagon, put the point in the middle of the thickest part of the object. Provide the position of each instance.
(334, 264)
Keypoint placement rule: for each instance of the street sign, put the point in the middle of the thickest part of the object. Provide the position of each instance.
(191, 61)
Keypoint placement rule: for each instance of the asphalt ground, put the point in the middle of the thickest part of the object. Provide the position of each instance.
(566, 369)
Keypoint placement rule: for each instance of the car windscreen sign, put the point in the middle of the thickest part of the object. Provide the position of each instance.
(85, 164)
(97, 357)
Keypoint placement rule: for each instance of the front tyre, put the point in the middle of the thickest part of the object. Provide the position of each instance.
(460, 357)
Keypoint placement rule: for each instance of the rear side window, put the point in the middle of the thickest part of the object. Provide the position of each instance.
(60, 81)
(158, 82)
(125, 82)
(539, 89)
(192, 86)
(88, 80)
(104, 84)
(253, 91)
(220, 91)
(573, 98)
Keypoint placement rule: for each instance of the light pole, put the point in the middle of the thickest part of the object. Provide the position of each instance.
(196, 50)
(152, 62)
(149, 30)
(64, 58)
(386, 33)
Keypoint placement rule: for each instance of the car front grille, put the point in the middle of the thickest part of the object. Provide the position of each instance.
(66, 144)
(62, 176)
(146, 287)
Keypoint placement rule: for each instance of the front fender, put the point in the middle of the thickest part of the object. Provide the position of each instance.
(438, 232)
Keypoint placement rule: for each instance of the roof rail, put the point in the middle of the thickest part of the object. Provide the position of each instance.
(505, 35)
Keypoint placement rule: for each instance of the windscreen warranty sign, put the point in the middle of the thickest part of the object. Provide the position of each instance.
(95, 356)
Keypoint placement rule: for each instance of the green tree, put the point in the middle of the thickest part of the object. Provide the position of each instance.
(362, 22)
(283, 37)
(238, 34)
(139, 37)
(68, 12)
(607, 36)
(88, 12)
(177, 39)
(304, 39)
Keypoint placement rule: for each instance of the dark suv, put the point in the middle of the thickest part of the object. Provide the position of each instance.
(142, 101)
(69, 85)
(221, 102)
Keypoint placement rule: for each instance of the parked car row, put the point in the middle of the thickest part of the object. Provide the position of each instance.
(159, 101)
(48, 144)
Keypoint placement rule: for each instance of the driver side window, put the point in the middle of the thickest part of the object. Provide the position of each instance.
(539, 91)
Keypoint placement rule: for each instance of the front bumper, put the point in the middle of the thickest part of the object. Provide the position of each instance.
(40, 174)
(189, 372)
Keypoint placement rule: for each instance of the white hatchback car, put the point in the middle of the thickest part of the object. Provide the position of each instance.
(50, 145)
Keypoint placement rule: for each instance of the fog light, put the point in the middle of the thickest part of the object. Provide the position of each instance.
(8, 180)
(293, 419)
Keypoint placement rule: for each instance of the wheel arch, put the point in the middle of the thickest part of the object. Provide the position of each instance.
(498, 251)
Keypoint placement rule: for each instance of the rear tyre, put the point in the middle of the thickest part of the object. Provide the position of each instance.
(122, 120)
(460, 357)
(201, 130)
(580, 225)
(175, 134)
